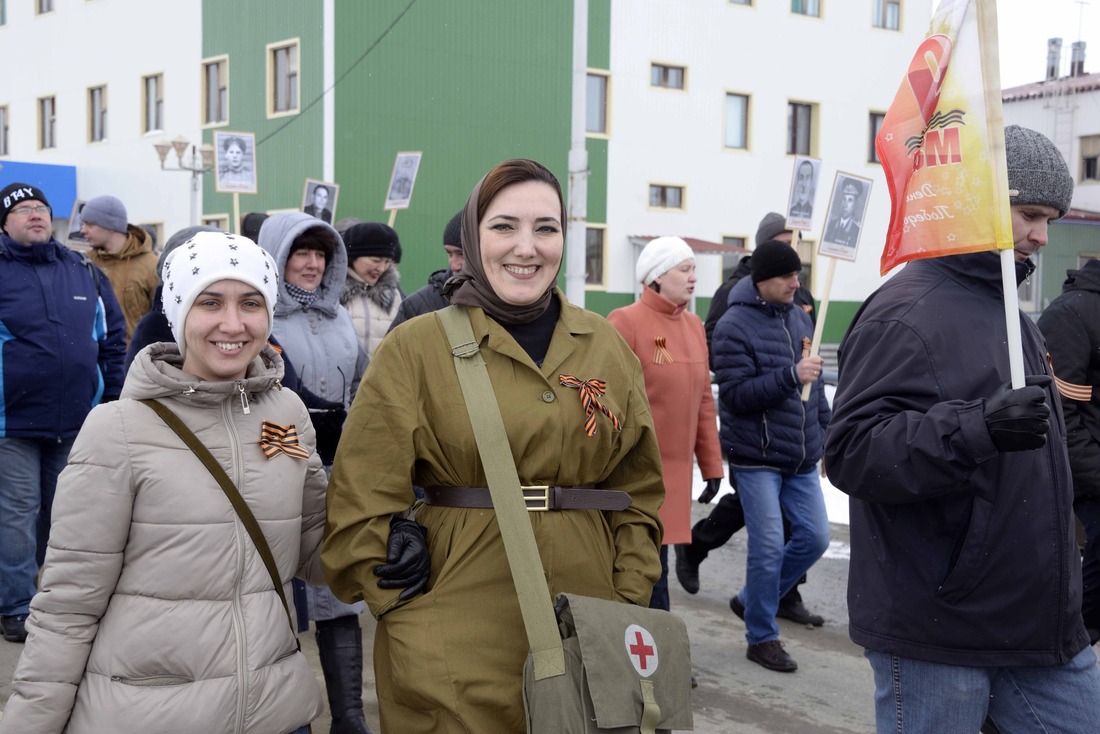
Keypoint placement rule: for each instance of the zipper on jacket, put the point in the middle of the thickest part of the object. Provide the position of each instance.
(153, 680)
(244, 397)
(801, 405)
(238, 614)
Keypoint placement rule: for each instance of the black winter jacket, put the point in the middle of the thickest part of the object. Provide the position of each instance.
(960, 554)
(427, 299)
(1071, 325)
(764, 422)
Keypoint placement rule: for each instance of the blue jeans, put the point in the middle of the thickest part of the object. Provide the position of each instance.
(28, 478)
(773, 566)
(918, 697)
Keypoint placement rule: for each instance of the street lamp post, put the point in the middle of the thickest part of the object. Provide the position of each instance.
(198, 162)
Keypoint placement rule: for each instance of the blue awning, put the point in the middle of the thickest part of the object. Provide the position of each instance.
(58, 183)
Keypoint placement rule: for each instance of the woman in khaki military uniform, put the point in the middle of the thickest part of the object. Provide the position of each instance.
(451, 659)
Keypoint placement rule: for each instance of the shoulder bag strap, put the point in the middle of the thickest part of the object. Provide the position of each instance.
(245, 514)
(512, 517)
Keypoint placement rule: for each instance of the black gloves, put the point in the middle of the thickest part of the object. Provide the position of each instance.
(1018, 419)
(407, 562)
(328, 421)
(711, 490)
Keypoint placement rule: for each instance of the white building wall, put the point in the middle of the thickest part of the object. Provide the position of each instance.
(838, 62)
(86, 43)
(1065, 119)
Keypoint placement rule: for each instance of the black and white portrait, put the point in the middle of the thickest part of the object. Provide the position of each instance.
(402, 180)
(319, 200)
(847, 207)
(235, 157)
(803, 190)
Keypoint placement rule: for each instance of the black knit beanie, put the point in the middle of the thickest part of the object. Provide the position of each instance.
(772, 259)
(452, 233)
(371, 239)
(16, 193)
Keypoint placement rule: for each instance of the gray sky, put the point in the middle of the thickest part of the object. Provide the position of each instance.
(1025, 26)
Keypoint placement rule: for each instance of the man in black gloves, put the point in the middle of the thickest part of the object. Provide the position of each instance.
(965, 578)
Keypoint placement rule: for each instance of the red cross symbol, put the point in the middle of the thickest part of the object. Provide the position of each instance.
(640, 649)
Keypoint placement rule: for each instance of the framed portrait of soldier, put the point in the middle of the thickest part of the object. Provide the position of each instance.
(804, 177)
(319, 200)
(399, 193)
(235, 162)
(847, 208)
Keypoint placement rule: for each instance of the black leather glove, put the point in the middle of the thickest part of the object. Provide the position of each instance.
(328, 423)
(408, 564)
(711, 491)
(1018, 419)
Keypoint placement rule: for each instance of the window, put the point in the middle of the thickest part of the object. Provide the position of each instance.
(215, 98)
(3, 12)
(666, 197)
(730, 260)
(596, 103)
(669, 77)
(806, 7)
(43, 6)
(800, 120)
(741, 2)
(594, 255)
(47, 123)
(3, 130)
(1090, 158)
(152, 103)
(282, 66)
(217, 221)
(737, 121)
(97, 114)
(886, 14)
(875, 123)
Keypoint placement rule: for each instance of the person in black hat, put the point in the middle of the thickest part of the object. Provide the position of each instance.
(372, 292)
(773, 439)
(430, 297)
(63, 350)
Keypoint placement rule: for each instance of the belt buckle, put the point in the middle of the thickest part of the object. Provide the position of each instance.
(543, 497)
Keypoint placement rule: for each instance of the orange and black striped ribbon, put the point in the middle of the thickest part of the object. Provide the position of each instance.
(590, 391)
(661, 355)
(1080, 393)
(276, 439)
(806, 344)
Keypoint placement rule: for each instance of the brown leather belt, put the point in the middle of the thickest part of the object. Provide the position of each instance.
(538, 498)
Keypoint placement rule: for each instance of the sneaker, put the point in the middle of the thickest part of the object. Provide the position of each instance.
(737, 607)
(686, 571)
(797, 612)
(772, 656)
(14, 628)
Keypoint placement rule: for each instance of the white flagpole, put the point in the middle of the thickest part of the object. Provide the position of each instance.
(991, 83)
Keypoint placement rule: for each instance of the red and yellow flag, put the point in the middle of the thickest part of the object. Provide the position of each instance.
(942, 142)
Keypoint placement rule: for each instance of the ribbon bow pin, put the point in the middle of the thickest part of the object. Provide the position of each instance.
(590, 391)
(276, 439)
(661, 355)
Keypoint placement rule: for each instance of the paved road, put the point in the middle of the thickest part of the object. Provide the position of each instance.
(830, 693)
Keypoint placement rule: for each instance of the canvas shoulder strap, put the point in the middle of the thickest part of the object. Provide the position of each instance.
(504, 487)
(247, 518)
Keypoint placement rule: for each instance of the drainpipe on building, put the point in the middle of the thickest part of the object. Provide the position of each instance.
(578, 162)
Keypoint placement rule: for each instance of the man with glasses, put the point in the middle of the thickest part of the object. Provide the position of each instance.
(62, 345)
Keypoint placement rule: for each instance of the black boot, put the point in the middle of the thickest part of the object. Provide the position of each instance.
(340, 646)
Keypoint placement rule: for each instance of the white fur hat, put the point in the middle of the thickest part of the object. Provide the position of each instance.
(660, 256)
(207, 258)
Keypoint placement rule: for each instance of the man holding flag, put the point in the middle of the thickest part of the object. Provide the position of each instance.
(964, 585)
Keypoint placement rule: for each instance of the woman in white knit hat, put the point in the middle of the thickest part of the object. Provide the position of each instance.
(670, 343)
(156, 610)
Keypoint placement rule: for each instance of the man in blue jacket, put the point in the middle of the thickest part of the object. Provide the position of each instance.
(965, 578)
(62, 343)
(774, 439)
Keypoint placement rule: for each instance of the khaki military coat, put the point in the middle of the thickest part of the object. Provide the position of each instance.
(451, 659)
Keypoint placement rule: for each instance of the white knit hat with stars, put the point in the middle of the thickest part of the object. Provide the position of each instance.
(207, 258)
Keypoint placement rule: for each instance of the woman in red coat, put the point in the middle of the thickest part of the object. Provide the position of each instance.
(672, 347)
